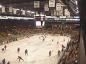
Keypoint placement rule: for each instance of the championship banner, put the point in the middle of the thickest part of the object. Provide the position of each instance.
(46, 8)
(36, 4)
(3, 9)
(67, 13)
(14, 11)
(51, 3)
(23, 12)
(10, 9)
(58, 6)
(7, 9)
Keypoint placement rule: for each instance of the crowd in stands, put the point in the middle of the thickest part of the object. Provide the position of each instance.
(71, 55)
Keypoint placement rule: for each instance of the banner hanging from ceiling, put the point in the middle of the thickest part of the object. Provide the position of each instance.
(3, 9)
(67, 13)
(46, 8)
(36, 4)
(58, 6)
(14, 11)
(10, 9)
(23, 12)
(51, 3)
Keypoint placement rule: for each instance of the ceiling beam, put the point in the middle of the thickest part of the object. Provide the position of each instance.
(17, 1)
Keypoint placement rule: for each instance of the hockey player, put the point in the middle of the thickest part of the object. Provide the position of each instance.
(5, 47)
(20, 58)
(26, 52)
(50, 53)
(18, 50)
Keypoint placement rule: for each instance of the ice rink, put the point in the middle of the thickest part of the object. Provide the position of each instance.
(38, 50)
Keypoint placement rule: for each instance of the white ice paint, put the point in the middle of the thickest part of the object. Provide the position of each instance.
(38, 51)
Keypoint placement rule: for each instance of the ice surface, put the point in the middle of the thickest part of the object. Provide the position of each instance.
(38, 51)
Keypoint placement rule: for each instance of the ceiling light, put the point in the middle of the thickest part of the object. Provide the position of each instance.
(29, 11)
(0, 6)
(33, 12)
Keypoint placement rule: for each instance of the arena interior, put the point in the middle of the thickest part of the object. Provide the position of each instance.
(39, 32)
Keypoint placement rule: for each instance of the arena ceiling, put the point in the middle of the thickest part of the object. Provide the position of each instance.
(18, 1)
(22, 3)
(25, 4)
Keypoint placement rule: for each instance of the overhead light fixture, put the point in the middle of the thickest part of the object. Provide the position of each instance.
(0, 6)
(76, 2)
(17, 9)
(41, 14)
(32, 12)
(28, 11)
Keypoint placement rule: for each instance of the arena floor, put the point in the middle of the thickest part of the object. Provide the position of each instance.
(38, 50)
